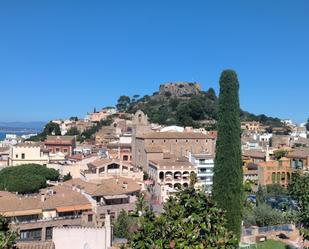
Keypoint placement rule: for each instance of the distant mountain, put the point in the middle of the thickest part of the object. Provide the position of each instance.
(37, 125)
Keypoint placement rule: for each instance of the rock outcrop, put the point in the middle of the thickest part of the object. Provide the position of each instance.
(180, 89)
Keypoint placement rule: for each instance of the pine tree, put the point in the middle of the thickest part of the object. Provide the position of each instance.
(228, 175)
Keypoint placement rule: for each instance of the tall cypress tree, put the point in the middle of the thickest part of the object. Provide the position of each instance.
(228, 175)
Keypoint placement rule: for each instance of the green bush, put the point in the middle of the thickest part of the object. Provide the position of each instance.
(27, 178)
(263, 215)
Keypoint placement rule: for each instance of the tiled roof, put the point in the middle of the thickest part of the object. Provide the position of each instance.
(106, 187)
(61, 197)
(154, 149)
(59, 139)
(299, 153)
(36, 245)
(175, 135)
(254, 153)
(99, 162)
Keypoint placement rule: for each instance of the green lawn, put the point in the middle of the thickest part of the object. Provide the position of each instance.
(271, 244)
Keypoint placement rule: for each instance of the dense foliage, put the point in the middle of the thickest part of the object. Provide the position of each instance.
(125, 225)
(26, 178)
(299, 189)
(264, 215)
(189, 110)
(228, 176)
(189, 220)
(185, 111)
(7, 236)
(278, 154)
(73, 131)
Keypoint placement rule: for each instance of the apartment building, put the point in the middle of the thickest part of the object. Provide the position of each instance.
(108, 196)
(204, 164)
(169, 175)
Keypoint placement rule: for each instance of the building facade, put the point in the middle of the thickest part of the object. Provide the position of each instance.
(26, 153)
(204, 164)
(61, 144)
(169, 176)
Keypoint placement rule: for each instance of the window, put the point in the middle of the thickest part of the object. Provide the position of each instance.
(34, 234)
(16, 155)
(57, 149)
(176, 141)
(90, 217)
(152, 141)
(125, 158)
(196, 140)
(187, 140)
(164, 141)
(49, 233)
(65, 150)
(22, 155)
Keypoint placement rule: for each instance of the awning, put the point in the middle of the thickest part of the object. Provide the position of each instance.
(109, 197)
(73, 208)
(22, 212)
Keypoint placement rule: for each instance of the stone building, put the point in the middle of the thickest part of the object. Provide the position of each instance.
(150, 145)
(154, 145)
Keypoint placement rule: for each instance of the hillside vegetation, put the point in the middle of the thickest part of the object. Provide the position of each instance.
(191, 108)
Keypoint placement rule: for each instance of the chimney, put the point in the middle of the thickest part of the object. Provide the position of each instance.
(42, 197)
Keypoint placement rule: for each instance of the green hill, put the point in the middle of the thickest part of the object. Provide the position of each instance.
(190, 108)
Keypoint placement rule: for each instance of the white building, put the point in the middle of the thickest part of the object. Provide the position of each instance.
(83, 237)
(265, 137)
(204, 164)
(25, 153)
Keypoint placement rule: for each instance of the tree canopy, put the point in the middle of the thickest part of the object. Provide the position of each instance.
(50, 128)
(228, 175)
(190, 220)
(123, 103)
(27, 178)
(125, 225)
(73, 131)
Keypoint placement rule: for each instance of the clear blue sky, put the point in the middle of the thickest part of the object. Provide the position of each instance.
(60, 58)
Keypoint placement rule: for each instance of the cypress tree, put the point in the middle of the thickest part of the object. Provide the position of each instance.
(228, 175)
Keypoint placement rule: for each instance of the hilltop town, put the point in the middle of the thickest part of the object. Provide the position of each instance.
(99, 166)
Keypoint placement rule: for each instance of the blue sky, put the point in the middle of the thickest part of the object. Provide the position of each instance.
(60, 58)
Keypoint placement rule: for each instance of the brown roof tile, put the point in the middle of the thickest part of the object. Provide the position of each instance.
(62, 196)
(106, 187)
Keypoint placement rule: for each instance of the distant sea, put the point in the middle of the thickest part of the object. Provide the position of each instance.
(2, 135)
